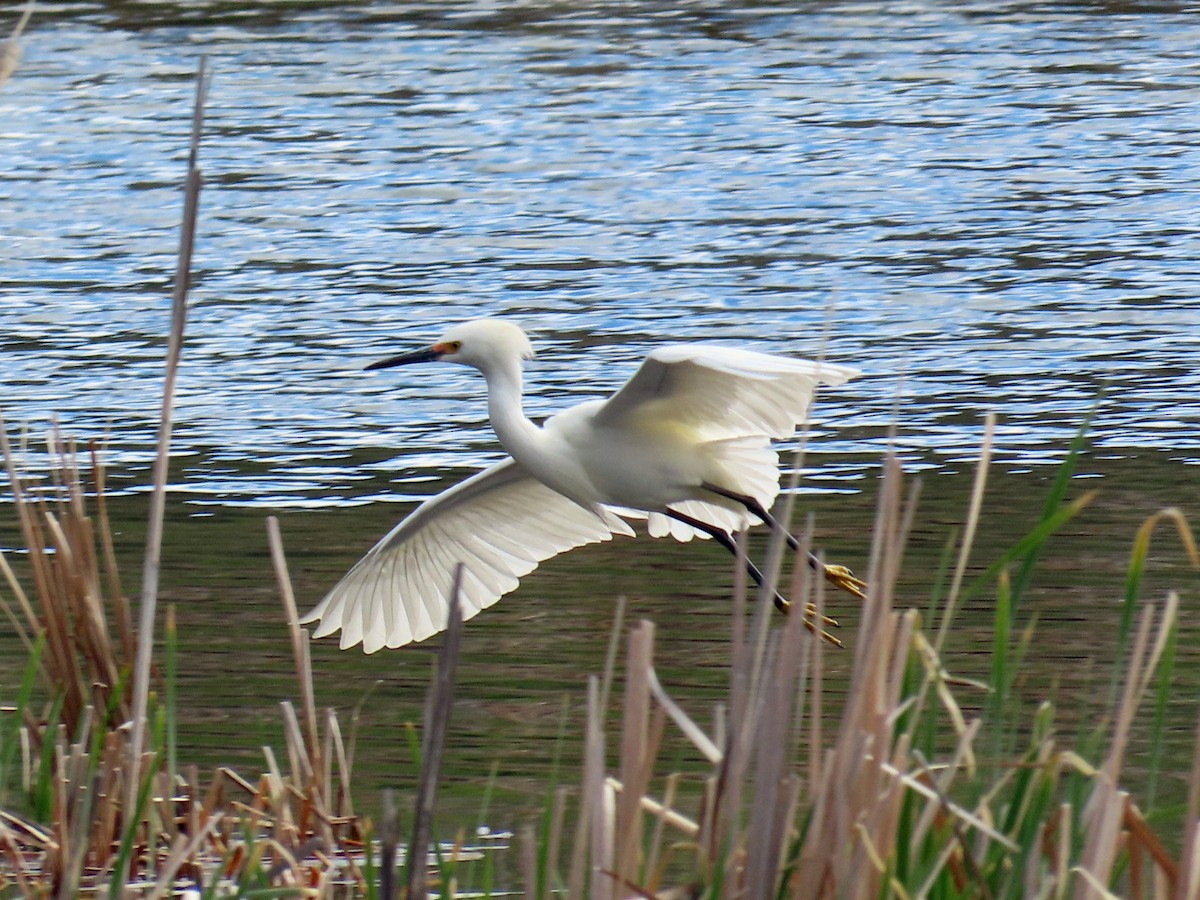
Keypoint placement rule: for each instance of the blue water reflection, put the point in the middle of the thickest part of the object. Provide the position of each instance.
(983, 208)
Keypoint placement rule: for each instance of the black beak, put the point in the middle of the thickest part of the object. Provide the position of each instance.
(430, 354)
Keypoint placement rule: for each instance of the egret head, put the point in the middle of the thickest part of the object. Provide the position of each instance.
(481, 343)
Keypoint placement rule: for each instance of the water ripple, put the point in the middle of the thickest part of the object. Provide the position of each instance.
(984, 208)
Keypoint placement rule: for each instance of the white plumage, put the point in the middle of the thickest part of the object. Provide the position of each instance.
(694, 419)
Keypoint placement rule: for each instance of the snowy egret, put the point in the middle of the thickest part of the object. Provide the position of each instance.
(685, 445)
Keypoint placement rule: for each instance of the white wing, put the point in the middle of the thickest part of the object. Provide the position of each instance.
(722, 392)
(499, 523)
(734, 400)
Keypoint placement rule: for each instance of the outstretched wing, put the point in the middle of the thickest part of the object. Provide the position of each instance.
(499, 523)
(733, 400)
(722, 392)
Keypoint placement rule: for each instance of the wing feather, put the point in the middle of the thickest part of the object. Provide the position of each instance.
(734, 402)
(722, 392)
(499, 524)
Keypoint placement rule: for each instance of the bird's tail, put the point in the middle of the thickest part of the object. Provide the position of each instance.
(743, 465)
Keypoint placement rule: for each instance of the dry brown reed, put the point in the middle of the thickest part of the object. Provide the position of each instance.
(787, 810)
(106, 806)
(162, 457)
(433, 744)
(292, 826)
(871, 813)
(10, 49)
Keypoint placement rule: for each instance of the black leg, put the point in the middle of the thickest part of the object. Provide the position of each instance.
(838, 575)
(723, 538)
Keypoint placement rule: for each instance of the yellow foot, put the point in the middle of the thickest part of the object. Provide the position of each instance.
(840, 576)
(825, 635)
(810, 613)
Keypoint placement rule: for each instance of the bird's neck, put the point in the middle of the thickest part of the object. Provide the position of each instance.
(518, 435)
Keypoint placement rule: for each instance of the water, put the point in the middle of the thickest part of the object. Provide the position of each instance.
(983, 206)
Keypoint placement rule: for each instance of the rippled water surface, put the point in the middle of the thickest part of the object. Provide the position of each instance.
(990, 209)
(983, 206)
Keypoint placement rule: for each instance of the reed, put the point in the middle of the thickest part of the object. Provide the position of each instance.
(98, 799)
(10, 49)
(896, 802)
(900, 793)
(66, 825)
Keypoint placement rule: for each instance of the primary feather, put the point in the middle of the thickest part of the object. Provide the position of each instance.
(499, 523)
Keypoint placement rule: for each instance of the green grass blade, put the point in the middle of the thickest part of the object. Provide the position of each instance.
(1054, 500)
(1034, 539)
(1133, 583)
(469, 873)
(43, 789)
(1166, 673)
(10, 727)
(370, 876)
(172, 668)
(941, 576)
(132, 820)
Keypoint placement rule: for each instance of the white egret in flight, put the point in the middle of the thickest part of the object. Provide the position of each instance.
(685, 445)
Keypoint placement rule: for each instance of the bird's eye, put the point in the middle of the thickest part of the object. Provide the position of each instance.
(453, 346)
